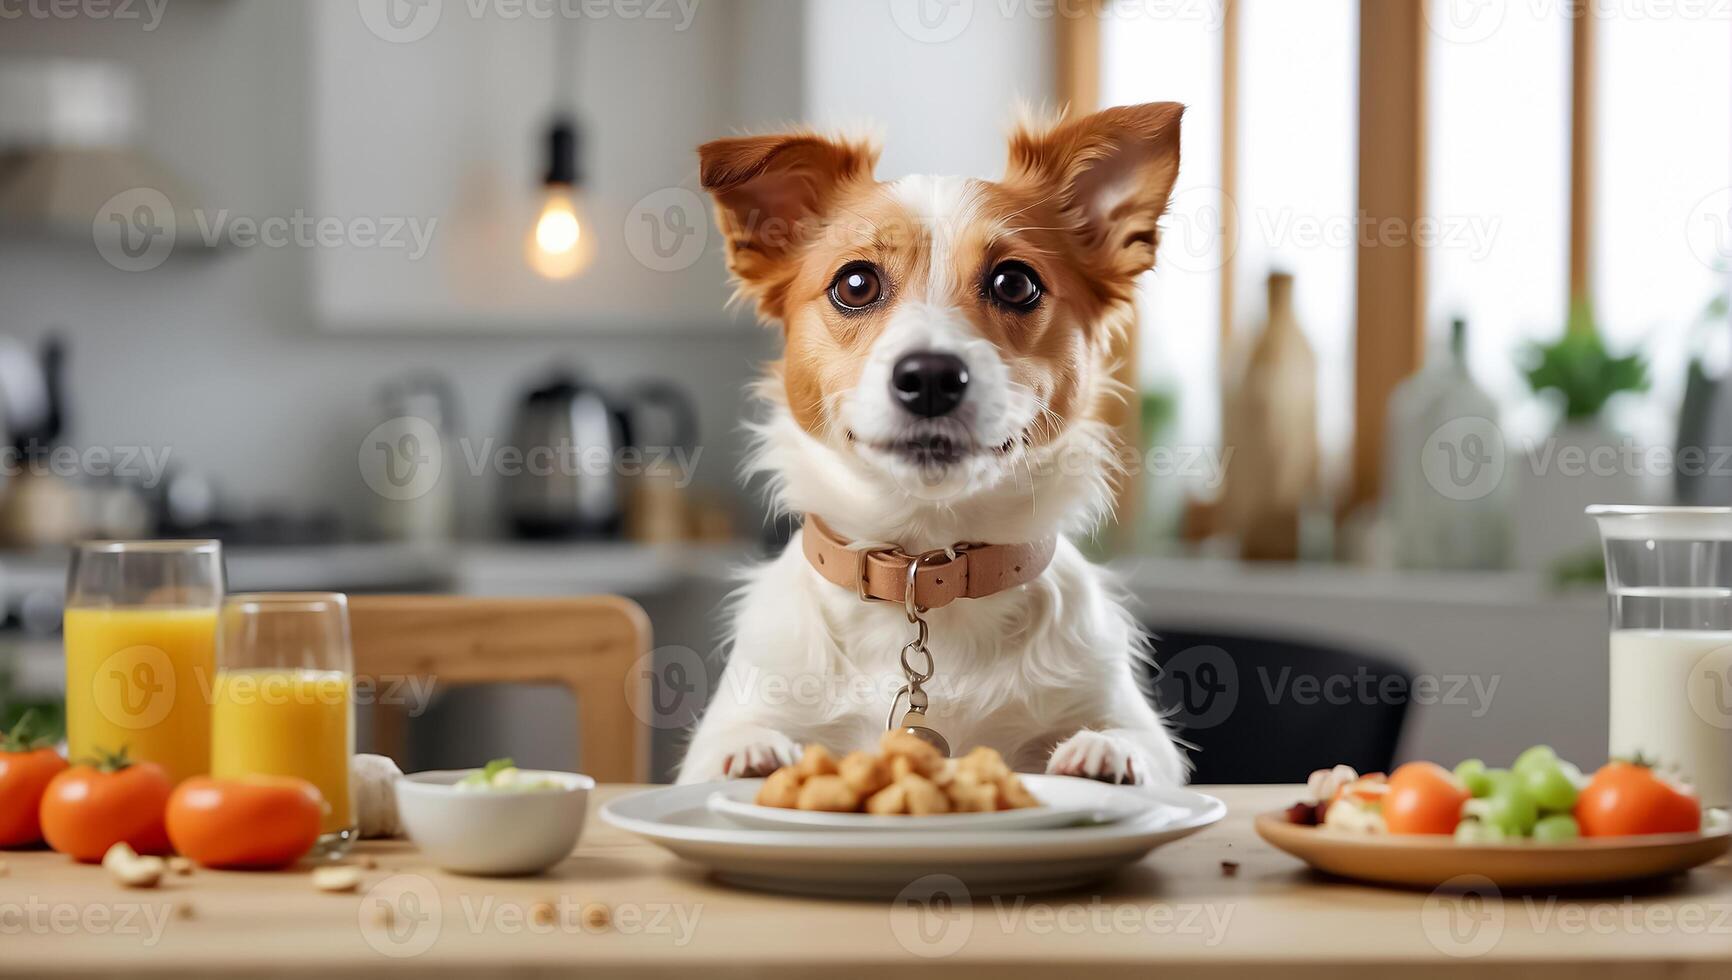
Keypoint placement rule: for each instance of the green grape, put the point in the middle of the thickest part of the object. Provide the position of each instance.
(1477, 832)
(1556, 829)
(1539, 755)
(1511, 809)
(1497, 779)
(1549, 785)
(1474, 776)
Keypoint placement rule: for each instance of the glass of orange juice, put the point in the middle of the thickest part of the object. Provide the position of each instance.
(282, 704)
(140, 633)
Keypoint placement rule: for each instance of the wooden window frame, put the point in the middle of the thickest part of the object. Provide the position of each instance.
(1389, 287)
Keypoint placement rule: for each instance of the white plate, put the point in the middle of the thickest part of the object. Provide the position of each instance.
(1065, 802)
(884, 863)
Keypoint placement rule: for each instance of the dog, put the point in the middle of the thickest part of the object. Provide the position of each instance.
(940, 400)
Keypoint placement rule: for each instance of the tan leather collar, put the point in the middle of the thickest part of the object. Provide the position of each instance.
(977, 570)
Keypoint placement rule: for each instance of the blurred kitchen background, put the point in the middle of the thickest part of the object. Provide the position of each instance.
(1438, 274)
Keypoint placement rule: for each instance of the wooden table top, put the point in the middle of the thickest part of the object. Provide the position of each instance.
(1176, 914)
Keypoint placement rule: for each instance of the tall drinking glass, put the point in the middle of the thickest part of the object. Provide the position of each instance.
(1669, 577)
(282, 701)
(140, 631)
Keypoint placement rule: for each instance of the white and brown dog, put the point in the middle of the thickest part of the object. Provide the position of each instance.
(941, 388)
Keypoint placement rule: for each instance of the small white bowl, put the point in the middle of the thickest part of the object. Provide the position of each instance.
(493, 833)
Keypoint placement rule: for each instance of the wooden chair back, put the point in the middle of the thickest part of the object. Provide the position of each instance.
(589, 644)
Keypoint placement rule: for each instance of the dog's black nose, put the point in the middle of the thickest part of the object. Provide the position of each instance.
(929, 383)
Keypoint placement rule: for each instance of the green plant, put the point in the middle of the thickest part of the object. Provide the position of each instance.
(1579, 368)
(50, 714)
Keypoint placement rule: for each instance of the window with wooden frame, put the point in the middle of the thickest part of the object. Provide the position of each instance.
(1489, 161)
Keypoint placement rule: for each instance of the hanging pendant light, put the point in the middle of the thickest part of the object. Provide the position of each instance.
(561, 242)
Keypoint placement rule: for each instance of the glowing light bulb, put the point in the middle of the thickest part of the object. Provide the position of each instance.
(562, 243)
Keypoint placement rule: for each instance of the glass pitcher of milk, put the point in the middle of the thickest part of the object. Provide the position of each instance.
(1669, 578)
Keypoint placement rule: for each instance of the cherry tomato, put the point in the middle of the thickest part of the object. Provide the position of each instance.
(89, 808)
(1423, 798)
(1625, 798)
(254, 822)
(27, 766)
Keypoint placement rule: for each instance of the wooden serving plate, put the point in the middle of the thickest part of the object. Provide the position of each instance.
(1427, 861)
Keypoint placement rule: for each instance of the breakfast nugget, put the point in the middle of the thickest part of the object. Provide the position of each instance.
(782, 789)
(922, 757)
(864, 773)
(924, 796)
(816, 761)
(890, 801)
(828, 793)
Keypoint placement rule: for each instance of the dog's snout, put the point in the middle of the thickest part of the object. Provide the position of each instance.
(929, 383)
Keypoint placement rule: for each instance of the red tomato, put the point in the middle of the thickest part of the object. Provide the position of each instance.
(27, 766)
(1625, 798)
(255, 822)
(1423, 798)
(89, 808)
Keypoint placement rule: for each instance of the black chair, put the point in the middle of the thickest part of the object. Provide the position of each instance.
(1263, 710)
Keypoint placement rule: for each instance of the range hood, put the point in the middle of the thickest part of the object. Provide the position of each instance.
(68, 160)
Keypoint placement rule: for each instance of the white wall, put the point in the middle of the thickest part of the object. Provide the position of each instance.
(217, 358)
(942, 93)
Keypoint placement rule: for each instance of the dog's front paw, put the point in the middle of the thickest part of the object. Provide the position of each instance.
(1093, 755)
(761, 756)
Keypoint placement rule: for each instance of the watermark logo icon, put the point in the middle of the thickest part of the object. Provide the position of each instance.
(401, 21)
(1709, 229)
(1709, 687)
(1199, 687)
(134, 688)
(668, 687)
(1464, 917)
(666, 230)
(1464, 458)
(1465, 21)
(933, 916)
(401, 458)
(134, 230)
(1194, 234)
(932, 21)
(400, 916)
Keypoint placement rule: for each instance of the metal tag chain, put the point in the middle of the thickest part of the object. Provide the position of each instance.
(914, 719)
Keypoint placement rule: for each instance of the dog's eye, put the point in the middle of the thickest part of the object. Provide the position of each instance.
(1014, 285)
(856, 287)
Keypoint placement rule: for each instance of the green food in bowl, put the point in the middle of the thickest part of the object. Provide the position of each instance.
(503, 776)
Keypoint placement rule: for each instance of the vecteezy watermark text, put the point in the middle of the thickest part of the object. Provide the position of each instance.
(143, 465)
(137, 229)
(148, 13)
(407, 21)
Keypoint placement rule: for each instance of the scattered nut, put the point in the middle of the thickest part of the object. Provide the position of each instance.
(1229, 869)
(125, 866)
(337, 878)
(179, 865)
(597, 916)
(184, 910)
(4, 869)
(543, 914)
(368, 862)
(384, 916)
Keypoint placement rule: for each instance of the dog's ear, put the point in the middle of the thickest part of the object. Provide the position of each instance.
(772, 196)
(1113, 172)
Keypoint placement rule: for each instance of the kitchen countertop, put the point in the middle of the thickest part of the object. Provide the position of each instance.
(1175, 914)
